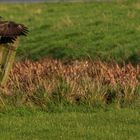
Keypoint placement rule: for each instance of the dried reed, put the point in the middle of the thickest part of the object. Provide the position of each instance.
(87, 81)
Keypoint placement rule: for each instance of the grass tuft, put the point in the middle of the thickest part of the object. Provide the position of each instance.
(73, 82)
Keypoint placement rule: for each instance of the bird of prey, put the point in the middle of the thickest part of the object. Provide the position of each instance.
(9, 31)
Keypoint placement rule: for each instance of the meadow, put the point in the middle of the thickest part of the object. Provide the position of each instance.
(76, 75)
(70, 124)
(100, 30)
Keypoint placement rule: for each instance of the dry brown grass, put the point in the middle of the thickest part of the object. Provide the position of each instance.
(87, 81)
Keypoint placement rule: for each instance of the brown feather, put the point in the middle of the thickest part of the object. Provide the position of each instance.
(10, 30)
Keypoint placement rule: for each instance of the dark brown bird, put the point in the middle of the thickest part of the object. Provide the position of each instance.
(9, 31)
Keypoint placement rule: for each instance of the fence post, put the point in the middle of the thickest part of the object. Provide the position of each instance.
(7, 56)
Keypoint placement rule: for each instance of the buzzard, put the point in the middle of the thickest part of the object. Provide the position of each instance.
(9, 31)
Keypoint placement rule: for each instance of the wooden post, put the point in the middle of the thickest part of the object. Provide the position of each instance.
(7, 56)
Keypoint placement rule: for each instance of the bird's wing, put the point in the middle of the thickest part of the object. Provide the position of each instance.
(11, 29)
(3, 26)
(4, 40)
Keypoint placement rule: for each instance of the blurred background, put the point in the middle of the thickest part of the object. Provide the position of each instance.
(28, 1)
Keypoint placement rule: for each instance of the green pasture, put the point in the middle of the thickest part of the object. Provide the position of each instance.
(98, 124)
(98, 30)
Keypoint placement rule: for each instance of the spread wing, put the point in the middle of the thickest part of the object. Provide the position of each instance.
(4, 40)
(11, 29)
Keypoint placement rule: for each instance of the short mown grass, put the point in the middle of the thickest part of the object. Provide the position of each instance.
(97, 124)
(99, 30)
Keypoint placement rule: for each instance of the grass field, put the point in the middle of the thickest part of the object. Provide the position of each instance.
(80, 100)
(105, 124)
(99, 30)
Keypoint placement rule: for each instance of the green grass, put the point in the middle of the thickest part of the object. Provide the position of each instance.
(99, 30)
(72, 31)
(98, 124)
